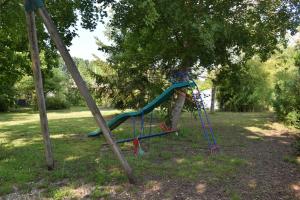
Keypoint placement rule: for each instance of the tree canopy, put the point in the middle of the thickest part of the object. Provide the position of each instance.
(162, 37)
(14, 52)
(192, 34)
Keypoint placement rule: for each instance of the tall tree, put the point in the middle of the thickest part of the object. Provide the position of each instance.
(244, 88)
(14, 52)
(287, 86)
(175, 35)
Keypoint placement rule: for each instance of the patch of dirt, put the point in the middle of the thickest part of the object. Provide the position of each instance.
(267, 176)
(34, 194)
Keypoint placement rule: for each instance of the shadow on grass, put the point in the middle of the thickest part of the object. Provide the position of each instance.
(173, 166)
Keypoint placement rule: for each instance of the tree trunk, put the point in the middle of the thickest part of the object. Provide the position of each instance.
(36, 68)
(178, 106)
(176, 110)
(213, 98)
(84, 91)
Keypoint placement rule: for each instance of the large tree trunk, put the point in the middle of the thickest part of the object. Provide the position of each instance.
(178, 105)
(176, 110)
(213, 99)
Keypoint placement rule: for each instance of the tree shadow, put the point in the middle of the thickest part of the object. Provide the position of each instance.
(251, 162)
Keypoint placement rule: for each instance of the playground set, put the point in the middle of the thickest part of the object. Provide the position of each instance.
(37, 6)
(176, 87)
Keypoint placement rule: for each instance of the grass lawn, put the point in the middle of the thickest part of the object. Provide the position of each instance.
(172, 167)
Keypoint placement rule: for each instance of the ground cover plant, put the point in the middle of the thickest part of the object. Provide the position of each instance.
(256, 160)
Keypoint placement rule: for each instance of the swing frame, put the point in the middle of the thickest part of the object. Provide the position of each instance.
(146, 136)
(33, 7)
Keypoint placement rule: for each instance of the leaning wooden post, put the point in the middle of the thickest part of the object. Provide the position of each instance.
(83, 89)
(34, 51)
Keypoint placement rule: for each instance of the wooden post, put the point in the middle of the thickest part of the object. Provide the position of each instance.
(36, 67)
(84, 90)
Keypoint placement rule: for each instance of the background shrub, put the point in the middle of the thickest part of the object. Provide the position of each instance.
(287, 96)
(293, 118)
(57, 103)
(244, 87)
(5, 103)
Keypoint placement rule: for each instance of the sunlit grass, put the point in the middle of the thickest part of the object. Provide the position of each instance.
(81, 160)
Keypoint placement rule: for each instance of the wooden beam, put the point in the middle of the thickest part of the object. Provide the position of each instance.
(84, 90)
(36, 67)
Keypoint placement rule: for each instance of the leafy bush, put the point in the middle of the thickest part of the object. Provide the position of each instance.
(287, 96)
(57, 103)
(7, 96)
(74, 97)
(243, 88)
(293, 118)
(5, 103)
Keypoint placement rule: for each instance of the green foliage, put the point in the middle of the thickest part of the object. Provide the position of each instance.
(7, 94)
(163, 37)
(185, 34)
(85, 68)
(260, 84)
(293, 118)
(57, 103)
(297, 56)
(204, 84)
(59, 86)
(14, 52)
(100, 193)
(287, 96)
(6, 101)
(287, 86)
(55, 88)
(78, 161)
(25, 88)
(131, 90)
(74, 97)
(244, 88)
(56, 82)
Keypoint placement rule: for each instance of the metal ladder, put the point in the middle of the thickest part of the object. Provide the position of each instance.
(205, 122)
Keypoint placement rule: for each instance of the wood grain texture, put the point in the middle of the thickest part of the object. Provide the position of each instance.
(36, 67)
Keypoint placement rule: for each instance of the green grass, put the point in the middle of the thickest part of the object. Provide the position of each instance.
(80, 160)
(292, 159)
